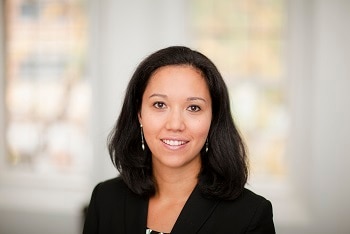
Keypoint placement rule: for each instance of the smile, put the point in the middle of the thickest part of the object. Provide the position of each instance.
(174, 142)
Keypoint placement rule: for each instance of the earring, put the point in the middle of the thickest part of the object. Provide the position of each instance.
(206, 146)
(142, 140)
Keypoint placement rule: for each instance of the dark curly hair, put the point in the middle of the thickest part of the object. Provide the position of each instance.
(224, 169)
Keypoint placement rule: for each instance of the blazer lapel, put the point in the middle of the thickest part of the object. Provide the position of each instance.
(135, 213)
(194, 214)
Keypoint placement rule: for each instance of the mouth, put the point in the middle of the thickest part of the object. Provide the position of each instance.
(174, 142)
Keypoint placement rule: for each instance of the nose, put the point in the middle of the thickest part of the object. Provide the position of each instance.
(175, 120)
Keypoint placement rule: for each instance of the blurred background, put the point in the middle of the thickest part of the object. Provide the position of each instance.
(65, 64)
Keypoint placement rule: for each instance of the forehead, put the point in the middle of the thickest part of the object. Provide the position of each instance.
(177, 68)
(176, 76)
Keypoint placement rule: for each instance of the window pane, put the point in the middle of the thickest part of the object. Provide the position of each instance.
(245, 39)
(47, 91)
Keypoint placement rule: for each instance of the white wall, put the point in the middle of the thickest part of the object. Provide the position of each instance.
(2, 107)
(319, 75)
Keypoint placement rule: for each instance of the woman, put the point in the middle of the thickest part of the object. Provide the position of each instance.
(182, 162)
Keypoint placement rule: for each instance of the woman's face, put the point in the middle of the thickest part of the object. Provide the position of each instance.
(176, 113)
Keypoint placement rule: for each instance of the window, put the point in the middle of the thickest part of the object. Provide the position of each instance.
(245, 38)
(47, 92)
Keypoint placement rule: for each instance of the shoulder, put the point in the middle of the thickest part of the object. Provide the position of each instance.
(248, 196)
(249, 203)
(110, 190)
(107, 199)
(115, 184)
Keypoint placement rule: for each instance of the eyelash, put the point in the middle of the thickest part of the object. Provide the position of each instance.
(192, 108)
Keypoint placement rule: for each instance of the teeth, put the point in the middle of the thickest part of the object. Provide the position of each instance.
(174, 142)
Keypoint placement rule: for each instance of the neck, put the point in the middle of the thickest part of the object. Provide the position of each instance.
(175, 183)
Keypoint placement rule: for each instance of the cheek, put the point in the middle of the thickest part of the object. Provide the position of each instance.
(151, 126)
(201, 128)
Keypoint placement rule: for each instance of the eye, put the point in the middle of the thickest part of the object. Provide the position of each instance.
(194, 108)
(159, 105)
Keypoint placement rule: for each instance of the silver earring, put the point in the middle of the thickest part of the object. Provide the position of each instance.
(206, 146)
(142, 140)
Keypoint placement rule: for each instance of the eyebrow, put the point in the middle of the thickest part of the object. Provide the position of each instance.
(188, 99)
(196, 98)
(158, 95)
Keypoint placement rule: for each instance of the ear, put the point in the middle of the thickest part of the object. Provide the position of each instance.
(139, 117)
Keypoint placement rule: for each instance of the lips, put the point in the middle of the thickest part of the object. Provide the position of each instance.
(174, 142)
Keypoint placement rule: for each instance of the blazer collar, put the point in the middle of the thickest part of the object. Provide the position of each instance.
(193, 215)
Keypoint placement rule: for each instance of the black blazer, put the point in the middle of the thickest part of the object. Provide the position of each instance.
(115, 209)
